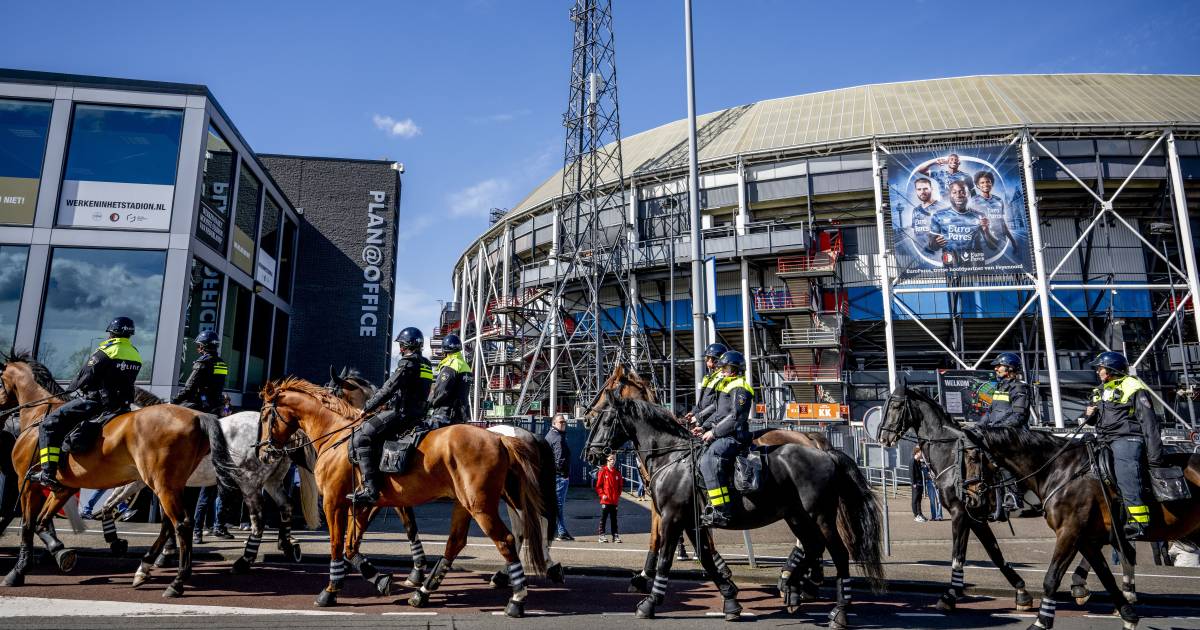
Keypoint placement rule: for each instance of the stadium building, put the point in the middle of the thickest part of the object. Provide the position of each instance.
(141, 198)
(861, 237)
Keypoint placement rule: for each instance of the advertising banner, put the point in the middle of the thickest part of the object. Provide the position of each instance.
(18, 199)
(966, 394)
(243, 251)
(115, 206)
(264, 270)
(958, 211)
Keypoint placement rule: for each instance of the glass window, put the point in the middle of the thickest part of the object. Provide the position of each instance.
(279, 347)
(213, 222)
(235, 332)
(245, 221)
(203, 311)
(87, 289)
(260, 346)
(23, 128)
(121, 165)
(12, 281)
(287, 260)
(268, 244)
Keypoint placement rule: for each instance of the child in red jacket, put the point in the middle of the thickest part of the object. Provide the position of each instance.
(608, 486)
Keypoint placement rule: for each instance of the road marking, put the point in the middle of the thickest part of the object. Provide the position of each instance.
(527, 612)
(721, 614)
(413, 613)
(1043, 571)
(51, 607)
(1015, 615)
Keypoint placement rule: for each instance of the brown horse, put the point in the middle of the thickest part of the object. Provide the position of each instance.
(473, 467)
(628, 384)
(161, 445)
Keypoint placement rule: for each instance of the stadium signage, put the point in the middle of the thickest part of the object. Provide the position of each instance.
(372, 260)
(115, 206)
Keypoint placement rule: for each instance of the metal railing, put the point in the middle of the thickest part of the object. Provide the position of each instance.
(811, 373)
(770, 301)
(810, 337)
(820, 262)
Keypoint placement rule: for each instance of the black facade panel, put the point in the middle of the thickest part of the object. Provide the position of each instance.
(342, 308)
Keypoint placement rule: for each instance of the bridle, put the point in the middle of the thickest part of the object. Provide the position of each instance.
(276, 450)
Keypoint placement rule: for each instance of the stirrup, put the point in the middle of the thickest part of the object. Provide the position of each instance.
(41, 478)
(364, 496)
(712, 517)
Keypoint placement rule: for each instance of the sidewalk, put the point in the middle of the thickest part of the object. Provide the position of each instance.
(919, 559)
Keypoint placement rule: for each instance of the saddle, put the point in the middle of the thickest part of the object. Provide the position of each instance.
(395, 456)
(748, 471)
(1166, 483)
(83, 437)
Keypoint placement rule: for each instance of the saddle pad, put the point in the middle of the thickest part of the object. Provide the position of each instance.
(397, 453)
(747, 472)
(1169, 484)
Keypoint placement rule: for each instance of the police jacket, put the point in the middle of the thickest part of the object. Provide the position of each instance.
(110, 373)
(205, 385)
(1123, 409)
(449, 394)
(706, 398)
(406, 389)
(732, 417)
(561, 450)
(1010, 405)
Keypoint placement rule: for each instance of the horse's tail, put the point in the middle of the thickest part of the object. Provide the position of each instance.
(309, 498)
(858, 519)
(218, 446)
(524, 468)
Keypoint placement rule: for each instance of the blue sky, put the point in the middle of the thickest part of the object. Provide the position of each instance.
(469, 94)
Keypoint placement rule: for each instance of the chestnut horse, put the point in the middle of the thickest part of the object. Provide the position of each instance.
(473, 467)
(629, 384)
(161, 445)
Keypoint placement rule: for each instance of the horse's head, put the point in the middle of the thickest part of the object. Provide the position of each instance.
(898, 417)
(976, 472)
(8, 397)
(350, 386)
(607, 432)
(277, 422)
(624, 384)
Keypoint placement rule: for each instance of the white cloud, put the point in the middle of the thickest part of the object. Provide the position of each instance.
(396, 128)
(477, 199)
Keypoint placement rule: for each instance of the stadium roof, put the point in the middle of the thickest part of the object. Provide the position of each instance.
(895, 109)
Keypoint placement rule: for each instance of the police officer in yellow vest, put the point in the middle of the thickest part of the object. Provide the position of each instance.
(727, 431)
(407, 390)
(452, 380)
(706, 397)
(1009, 409)
(104, 385)
(205, 386)
(1125, 420)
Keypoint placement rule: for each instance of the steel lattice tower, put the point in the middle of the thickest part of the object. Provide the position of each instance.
(589, 318)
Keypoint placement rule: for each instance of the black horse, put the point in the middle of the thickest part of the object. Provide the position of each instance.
(945, 447)
(803, 486)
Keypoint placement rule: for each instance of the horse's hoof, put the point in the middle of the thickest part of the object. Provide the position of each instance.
(732, 610)
(383, 583)
(556, 574)
(326, 599)
(838, 619)
(645, 608)
(14, 578)
(139, 579)
(1129, 617)
(499, 579)
(240, 566)
(164, 561)
(1024, 600)
(639, 583)
(173, 591)
(810, 592)
(119, 547)
(419, 599)
(415, 579)
(515, 609)
(295, 554)
(946, 603)
(65, 559)
(791, 610)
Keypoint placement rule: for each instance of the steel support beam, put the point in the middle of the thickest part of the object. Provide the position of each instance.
(698, 316)
(1185, 226)
(1043, 285)
(743, 217)
(885, 280)
(477, 360)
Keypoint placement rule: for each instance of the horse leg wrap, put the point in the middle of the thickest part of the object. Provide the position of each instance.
(838, 616)
(418, 555)
(722, 567)
(1128, 589)
(16, 577)
(337, 574)
(728, 589)
(110, 530)
(434, 581)
(1045, 618)
(956, 581)
(362, 564)
(52, 543)
(639, 583)
(659, 590)
(516, 577)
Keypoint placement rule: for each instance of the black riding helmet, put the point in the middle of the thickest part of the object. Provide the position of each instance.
(1010, 359)
(715, 350)
(1114, 361)
(451, 343)
(733, 359)
(208, 340)
(120, 327)
(411, 339)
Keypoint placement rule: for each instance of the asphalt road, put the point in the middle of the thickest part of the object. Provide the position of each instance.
(97, 594)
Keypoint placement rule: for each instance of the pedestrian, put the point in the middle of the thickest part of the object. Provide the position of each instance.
(917, 478)
(89, 508)
(920, 467)
(608, 485)
(557, 437)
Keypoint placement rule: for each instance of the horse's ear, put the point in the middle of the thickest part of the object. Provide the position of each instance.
(619, 370)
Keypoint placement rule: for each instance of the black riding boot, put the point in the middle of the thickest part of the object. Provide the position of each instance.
(47, 476)
(366, 493)
(717, 516)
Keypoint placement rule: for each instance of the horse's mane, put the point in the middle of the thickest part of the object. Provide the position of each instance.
(145, 398)
(41, 373)
(1028, 440)
(655, 416)
(296, 384)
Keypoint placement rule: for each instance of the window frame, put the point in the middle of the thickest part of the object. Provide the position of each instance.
(41, 162)
(231, 203)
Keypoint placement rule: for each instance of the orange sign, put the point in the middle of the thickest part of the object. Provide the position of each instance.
(817, 411)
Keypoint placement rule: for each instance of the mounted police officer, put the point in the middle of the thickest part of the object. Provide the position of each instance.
(407, 390)
(205, 386)
(1125, 420)
(452, 380)
(726, 431)
(1009, 409)
(105, 385)
(706, 397)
